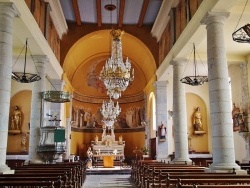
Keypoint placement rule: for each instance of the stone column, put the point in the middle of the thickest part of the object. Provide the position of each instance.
(36, 109)
(180, 114)
(245, 106)
(7, 14)
(219, 94)
(161, 117)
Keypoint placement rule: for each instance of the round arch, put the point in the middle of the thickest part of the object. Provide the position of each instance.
(97, 45)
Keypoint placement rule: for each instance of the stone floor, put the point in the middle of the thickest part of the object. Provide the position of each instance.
(108, 181)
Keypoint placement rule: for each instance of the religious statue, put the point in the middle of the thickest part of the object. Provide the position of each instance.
(89, 160)
(120, 140)
(239, 123)
(23, 142)
(96, 139)
(162, 131)
(197, 120)
(16, 119)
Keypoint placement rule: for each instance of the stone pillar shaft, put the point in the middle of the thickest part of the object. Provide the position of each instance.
(161, 116)
(36, 108)
(219, 95)
(7, 14)
(180, 114)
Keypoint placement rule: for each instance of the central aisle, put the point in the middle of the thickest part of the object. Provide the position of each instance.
(108, 180)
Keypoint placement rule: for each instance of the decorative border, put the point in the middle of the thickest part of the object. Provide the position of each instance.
(99, 100)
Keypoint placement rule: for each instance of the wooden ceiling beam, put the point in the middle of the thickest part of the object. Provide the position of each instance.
(76, 12)
(121, 12)
(143, 13)
(99, 12)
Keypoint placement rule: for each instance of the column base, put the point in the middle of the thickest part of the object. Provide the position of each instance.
(5, 169)
(228, 167)
(246, 160)
(33, 161)
(182, 161)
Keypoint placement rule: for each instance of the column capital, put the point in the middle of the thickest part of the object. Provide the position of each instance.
(161, 83)
(212, 17)
(40, 58)
(178, 61)
(9, 8)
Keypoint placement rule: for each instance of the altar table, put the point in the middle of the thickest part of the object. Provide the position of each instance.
(108, 161)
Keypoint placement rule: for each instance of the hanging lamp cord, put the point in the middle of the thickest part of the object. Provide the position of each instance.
(241, 15)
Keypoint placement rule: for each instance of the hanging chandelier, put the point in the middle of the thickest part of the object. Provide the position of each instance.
(116, 74)
(195, 80)
(110, 112)
(242, 35)
(25, 77)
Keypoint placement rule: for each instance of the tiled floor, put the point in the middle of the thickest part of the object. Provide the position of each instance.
(108, 177)
(108, 181)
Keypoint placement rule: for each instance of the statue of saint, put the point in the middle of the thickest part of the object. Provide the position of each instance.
(120, 140)
(16, 119)
(197, 120)
(96, 139)
(163, 131)
(89, 160)
(23, 142)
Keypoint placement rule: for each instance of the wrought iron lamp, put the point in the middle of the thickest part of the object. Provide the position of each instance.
(116, 74)
(25, 77)
(110, 112)
(195, 80)
(242, 35)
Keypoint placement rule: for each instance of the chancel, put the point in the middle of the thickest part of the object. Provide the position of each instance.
(114, 99)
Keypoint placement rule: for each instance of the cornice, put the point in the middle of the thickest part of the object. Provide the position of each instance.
(58, 17)
(162, 18)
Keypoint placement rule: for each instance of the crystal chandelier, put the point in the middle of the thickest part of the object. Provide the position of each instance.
(116, 74)
(195, 80)
(110, 112)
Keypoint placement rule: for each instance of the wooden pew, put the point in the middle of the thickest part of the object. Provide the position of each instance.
(210, 181)
(144, 169)
(27, 184)
(61, 179)
(173, 180)
(214, 186)
(78, 170)
(68, 172)
(150, 175)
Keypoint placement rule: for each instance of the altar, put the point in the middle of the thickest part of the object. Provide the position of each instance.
(108, 149)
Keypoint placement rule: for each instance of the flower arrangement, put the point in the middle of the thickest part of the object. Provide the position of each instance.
(144, 150)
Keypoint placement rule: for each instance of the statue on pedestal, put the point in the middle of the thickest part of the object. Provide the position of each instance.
(16, 121)
(89, 160)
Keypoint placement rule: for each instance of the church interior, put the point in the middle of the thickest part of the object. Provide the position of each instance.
(180, 93)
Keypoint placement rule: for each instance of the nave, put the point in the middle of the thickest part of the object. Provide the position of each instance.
(108, 180)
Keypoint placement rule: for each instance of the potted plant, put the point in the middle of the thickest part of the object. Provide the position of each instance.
(144, 151)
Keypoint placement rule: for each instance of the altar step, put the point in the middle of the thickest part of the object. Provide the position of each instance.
(99, 163)
(115, 170)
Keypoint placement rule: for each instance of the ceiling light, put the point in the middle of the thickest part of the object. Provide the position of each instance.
(24, 77)
(194, 80)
